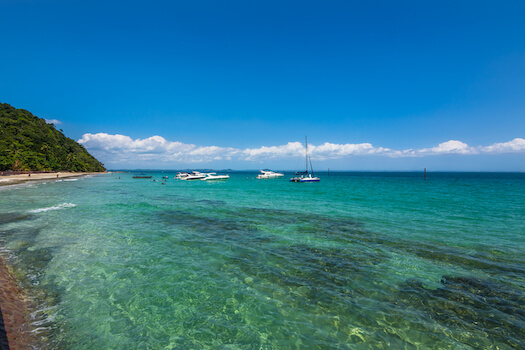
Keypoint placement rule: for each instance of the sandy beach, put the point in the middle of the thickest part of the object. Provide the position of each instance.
(20, 178)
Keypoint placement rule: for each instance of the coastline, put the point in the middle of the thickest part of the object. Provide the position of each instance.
(16, 330)
(15, 318)
(21, 178)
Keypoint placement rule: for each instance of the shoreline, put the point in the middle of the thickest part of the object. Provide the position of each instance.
(16, 329)
(21, 178)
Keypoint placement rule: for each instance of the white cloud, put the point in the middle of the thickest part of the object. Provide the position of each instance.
(516, 145)
(151, 148)
(291, 149)
(53, 121)
(333, 151)
(449, 147)
(122, 149)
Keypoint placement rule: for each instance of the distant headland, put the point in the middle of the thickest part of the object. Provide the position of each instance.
(29, 143)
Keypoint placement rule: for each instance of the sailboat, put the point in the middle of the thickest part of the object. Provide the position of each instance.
(306, 176)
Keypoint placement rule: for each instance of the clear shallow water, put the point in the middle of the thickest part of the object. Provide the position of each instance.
(357, 261)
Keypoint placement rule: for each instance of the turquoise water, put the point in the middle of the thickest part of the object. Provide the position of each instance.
(357, 261)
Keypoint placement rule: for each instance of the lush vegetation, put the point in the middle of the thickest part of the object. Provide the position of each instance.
(29, 143)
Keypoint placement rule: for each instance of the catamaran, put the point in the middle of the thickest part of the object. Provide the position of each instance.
(306, 176)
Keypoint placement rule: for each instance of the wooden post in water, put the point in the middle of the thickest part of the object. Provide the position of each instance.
(425, 173)
(328, 172)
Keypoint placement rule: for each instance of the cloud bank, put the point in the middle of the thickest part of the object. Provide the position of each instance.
(123, 149)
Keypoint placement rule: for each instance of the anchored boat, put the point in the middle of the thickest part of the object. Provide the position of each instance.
(194, 175)
(268, 174)
(306, 176)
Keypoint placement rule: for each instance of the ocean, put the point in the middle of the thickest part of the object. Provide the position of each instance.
(357, 261)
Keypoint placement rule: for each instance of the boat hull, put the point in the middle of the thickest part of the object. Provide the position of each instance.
(305, 179)
(216, 178)
(310, 180)
(268, 174)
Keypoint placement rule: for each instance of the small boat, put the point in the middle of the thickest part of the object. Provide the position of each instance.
(214, 176)
(305, 176)
(181, 175)
(194, 175)
(142, 176)
(268, 174)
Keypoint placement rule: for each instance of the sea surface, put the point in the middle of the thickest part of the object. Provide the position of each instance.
(356, 261)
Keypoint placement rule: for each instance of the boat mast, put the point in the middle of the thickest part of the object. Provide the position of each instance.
(306, 143)
(311, 167)
(308, 159)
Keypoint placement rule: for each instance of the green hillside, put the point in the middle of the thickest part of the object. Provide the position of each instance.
(29, 143)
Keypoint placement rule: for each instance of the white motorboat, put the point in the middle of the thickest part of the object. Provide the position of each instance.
(181, 175)
(214, 176)
(194, 175)
(306, 176)
(268, 174)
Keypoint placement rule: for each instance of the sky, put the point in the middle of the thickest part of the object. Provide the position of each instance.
(236, 84)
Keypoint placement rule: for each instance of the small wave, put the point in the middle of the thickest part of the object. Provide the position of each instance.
(71, 180)
(57, 207)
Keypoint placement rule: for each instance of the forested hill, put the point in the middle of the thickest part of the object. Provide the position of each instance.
(29, 143)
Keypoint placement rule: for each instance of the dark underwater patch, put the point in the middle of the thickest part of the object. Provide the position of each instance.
(201, 223)
(26, 235)
(211, 202)
(278, 217)
(32, 262)
(209, 230)
(457, 256)
(479, 306)
(6, 218)
(313, 275)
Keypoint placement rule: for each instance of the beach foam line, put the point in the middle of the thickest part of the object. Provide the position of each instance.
(57, 207)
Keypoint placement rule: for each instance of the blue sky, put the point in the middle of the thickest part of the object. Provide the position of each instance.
(376, 85)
